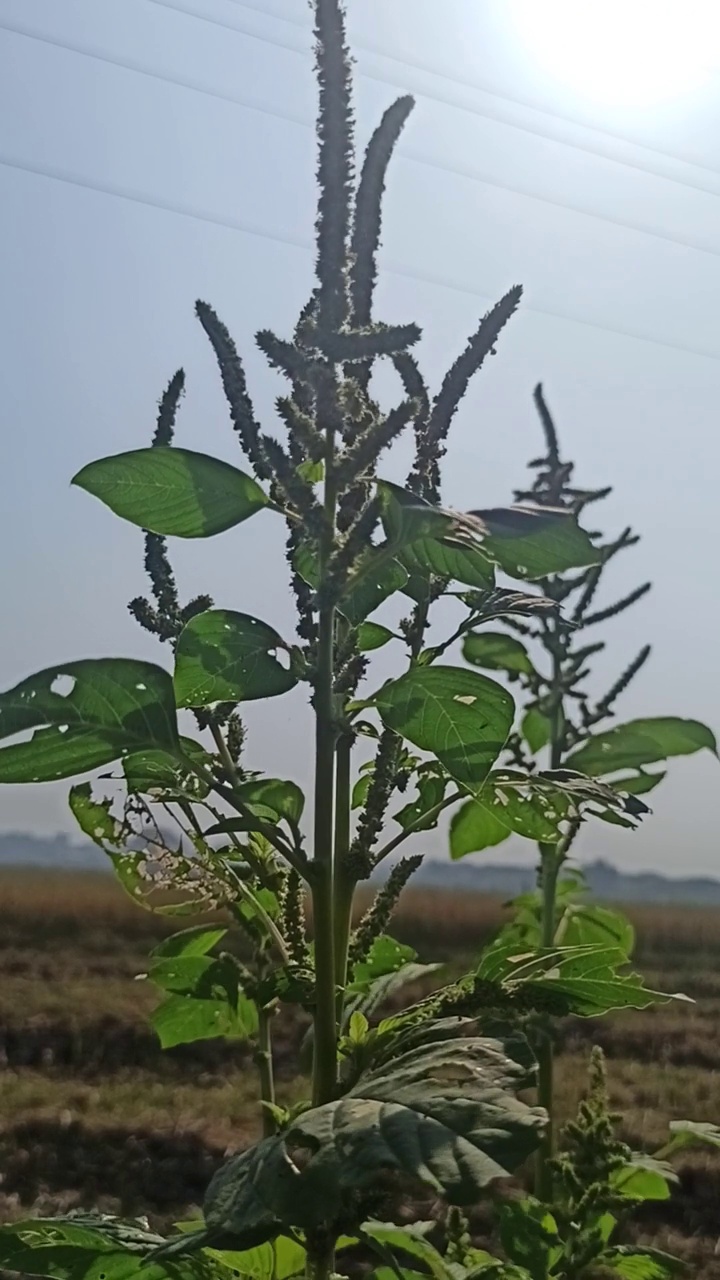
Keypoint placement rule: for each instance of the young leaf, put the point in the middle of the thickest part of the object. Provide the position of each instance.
(461, 717)
(496, 651)
(372, 636)
(223, 656)
(190, 942)
(174, 492)
(691, 1133)
(641, 742)
(182, 1019)
(529, 1234)
(85, 714)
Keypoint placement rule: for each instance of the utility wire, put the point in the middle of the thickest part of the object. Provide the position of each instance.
(426, 68)
(407, 153)
(392, 268)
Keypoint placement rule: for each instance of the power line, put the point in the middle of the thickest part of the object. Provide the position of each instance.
(405, 151)
(427, 68)
(392, 268)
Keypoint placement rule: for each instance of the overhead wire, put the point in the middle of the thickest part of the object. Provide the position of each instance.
(392, 268)
(407, 153)
(458, 80)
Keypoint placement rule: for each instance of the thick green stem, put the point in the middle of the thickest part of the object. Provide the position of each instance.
(325, 1056)
(263, 1059)
(551, 863)
(345, 881)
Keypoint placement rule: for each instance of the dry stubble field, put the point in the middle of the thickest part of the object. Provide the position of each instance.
(92, 1113)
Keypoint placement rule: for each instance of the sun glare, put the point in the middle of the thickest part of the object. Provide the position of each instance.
(622, 52)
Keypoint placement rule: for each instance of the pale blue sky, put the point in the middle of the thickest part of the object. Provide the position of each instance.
(96, 309)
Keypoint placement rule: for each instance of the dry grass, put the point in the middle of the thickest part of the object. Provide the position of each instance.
(91, 1111)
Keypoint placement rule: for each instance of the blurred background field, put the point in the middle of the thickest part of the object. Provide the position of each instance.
(94, 1114)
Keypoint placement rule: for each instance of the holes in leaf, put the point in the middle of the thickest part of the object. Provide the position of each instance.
(62, 685)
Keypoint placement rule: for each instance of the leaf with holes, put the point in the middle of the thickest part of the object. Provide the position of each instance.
(223, 656)
(159, 774)
(174, 492)
(497, 651)
(84, 715)
(93, 1246)
(641, 742)
(445, 1114)
(461, 717)
(507, 804)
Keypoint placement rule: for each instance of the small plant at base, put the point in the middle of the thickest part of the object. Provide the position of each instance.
(561, 722)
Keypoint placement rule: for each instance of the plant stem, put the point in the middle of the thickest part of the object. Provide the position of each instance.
(551, 862)
(263, 1059)
(345, 881)
(323, 867)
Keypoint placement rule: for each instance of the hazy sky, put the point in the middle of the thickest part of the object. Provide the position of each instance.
(608, 214)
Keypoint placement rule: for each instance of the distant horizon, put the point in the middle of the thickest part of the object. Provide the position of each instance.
(517, 861)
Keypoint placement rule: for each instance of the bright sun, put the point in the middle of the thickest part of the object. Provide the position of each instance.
(622, 52)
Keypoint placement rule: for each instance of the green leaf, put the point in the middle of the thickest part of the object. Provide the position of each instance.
(639, 1262)
(385, 956)
(376, 577)
(585, 924)
(282, 798)
(407, 518)
(644, 1178)
(691, 1133)
(174, 492)
(475, 827)
(311, 471)
(94, 1247)
(409, 1241)
(638, 784)
(496, 652)
(527, 542)
(419, 813)
(641, 742)
(591, 980)
(428, 541)
(451, 559)
(446, 1114)
(223, 656)
(160, 774)
(182, 1019)
(529, 1235)
(85, 714)
(372, 636)
(190, 942)
(508, 803)
(536, 729)
(277, 1260)
(461, 717)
